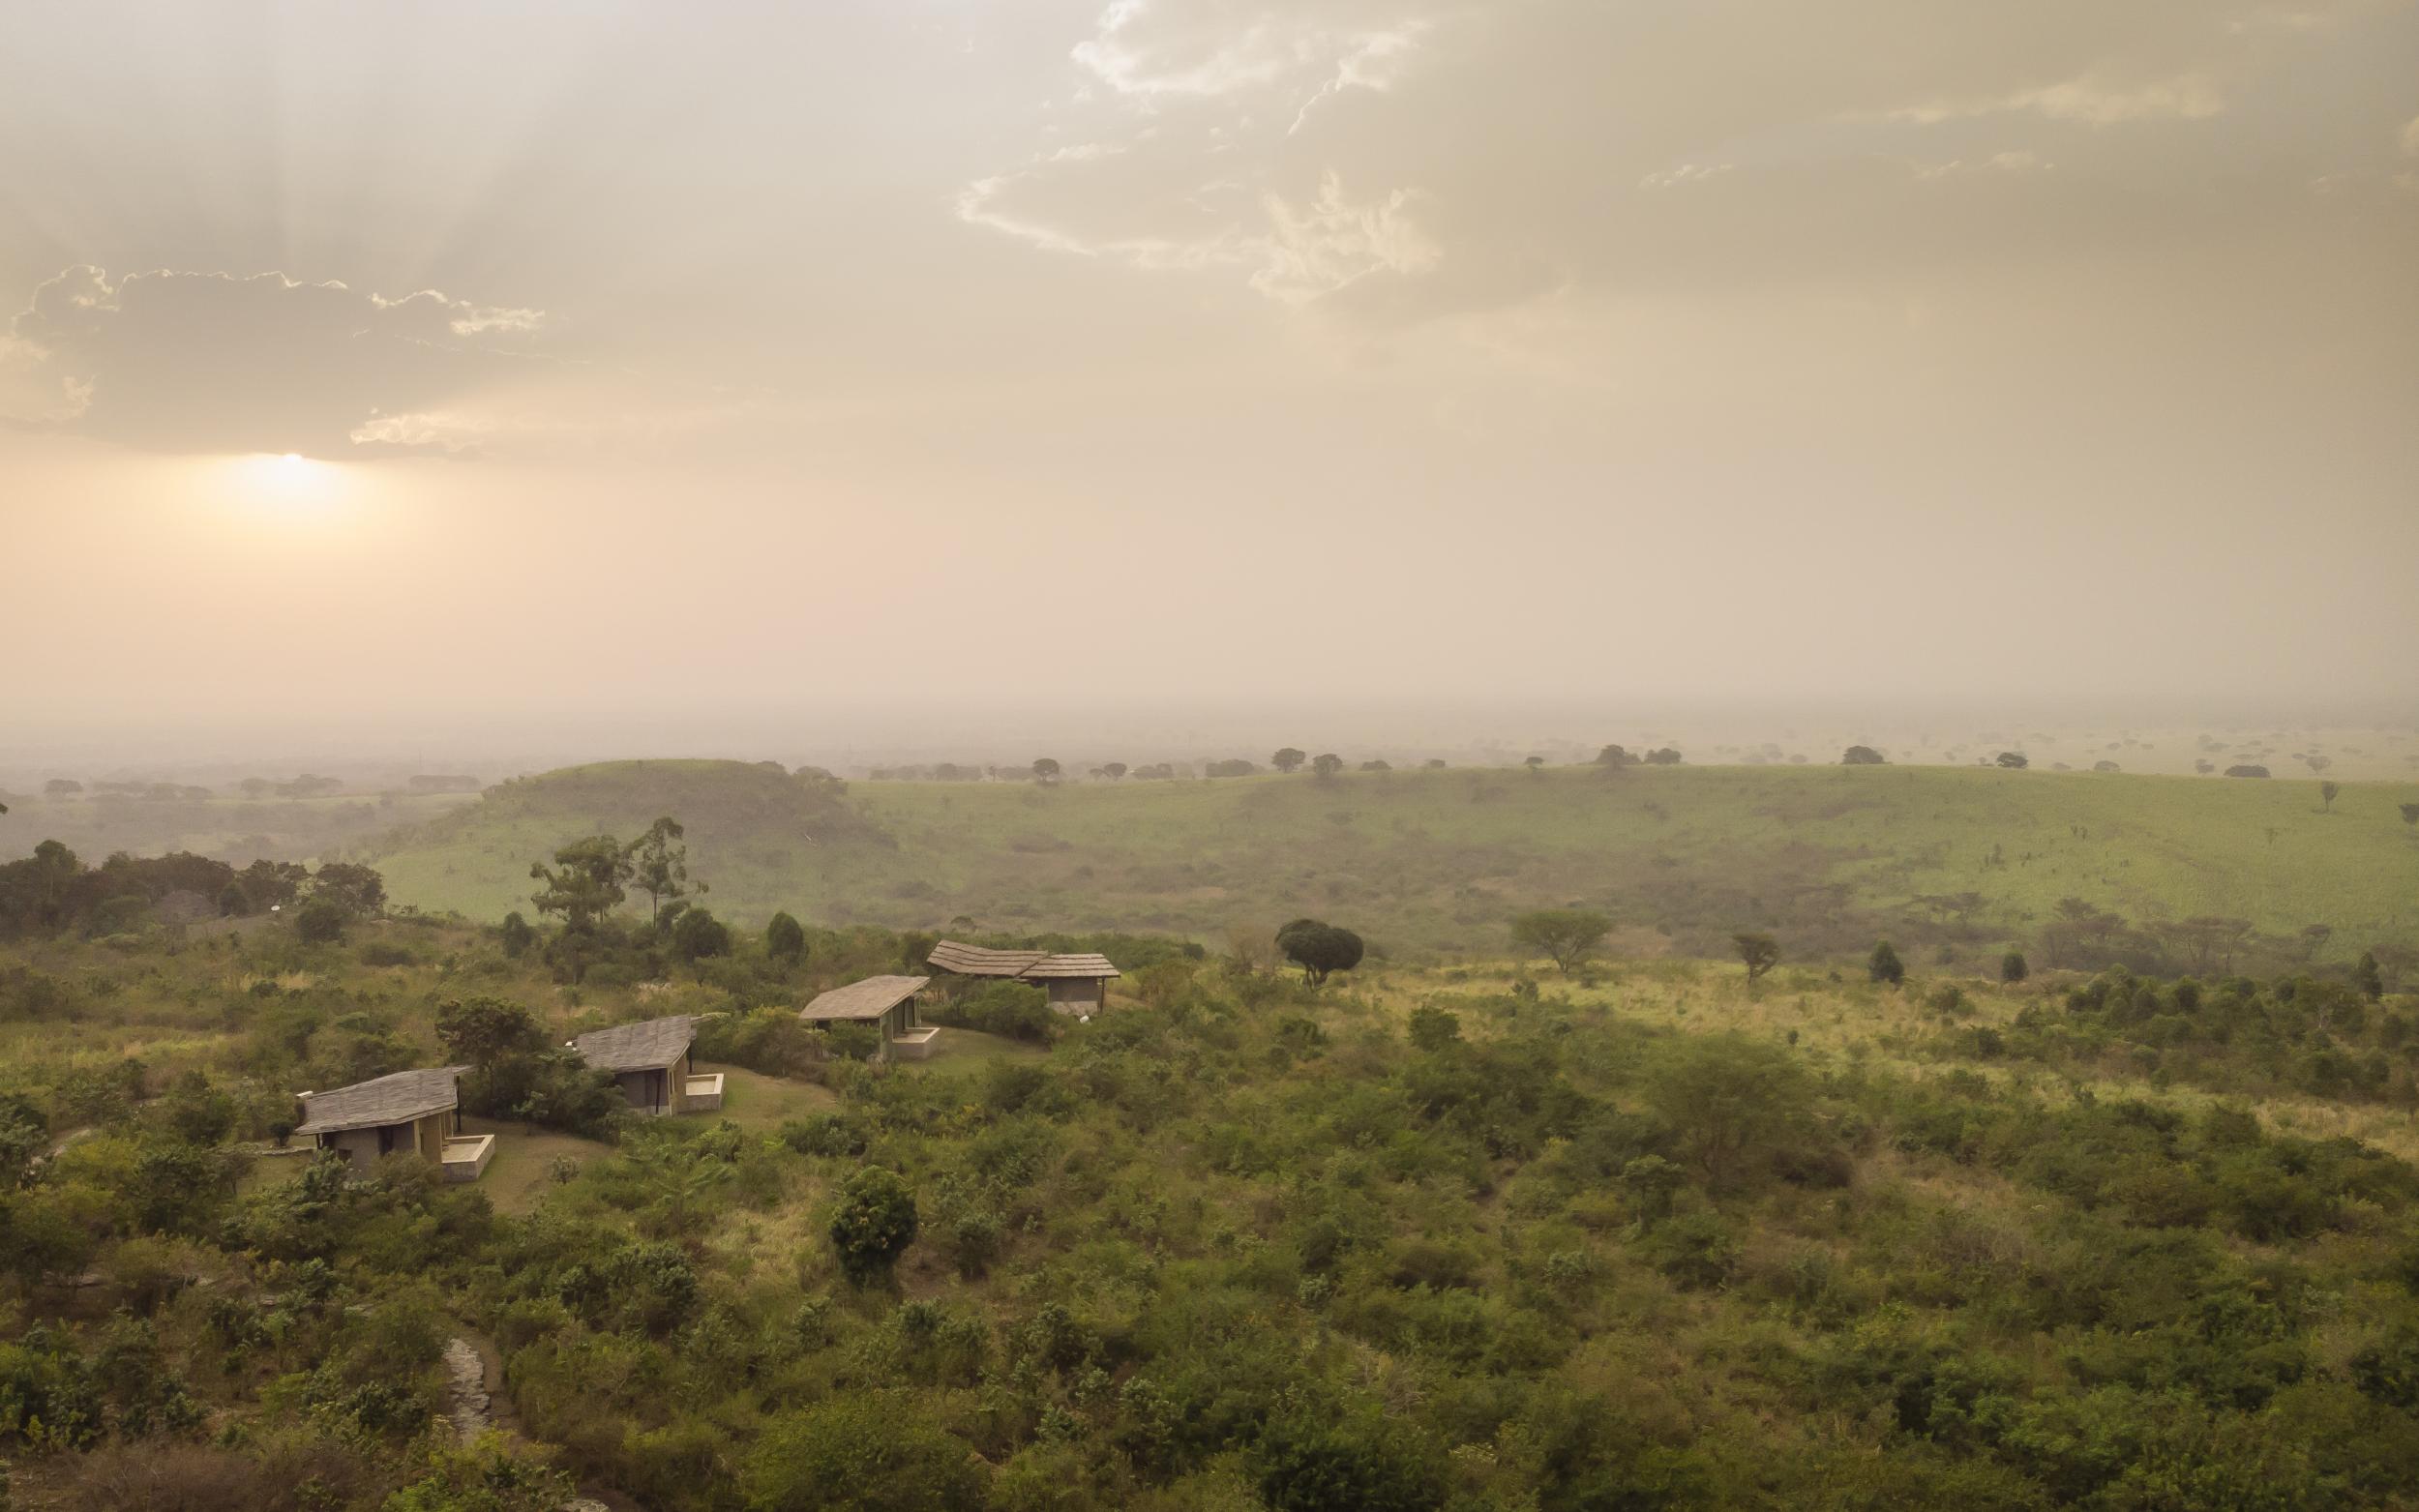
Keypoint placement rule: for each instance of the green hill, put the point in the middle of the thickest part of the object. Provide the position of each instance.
(1827, 858)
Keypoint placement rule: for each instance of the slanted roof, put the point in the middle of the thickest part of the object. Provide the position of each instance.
(1029, 965)
(984, 961)
(638, 1047)
(400, 1098)
(1074, 963)
(870, 998)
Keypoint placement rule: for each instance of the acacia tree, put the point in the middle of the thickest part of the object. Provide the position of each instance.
(2327, 794)
(1114, 771)
(2368, 978)
(1288, 759)
(1327, 765)
(1566, 936)
(1862, 756)
(1319, 948)
(2411, 815)
(1615, 758)
(1760, 952)
(1045, 770)
(2013, 761)
(659, 866)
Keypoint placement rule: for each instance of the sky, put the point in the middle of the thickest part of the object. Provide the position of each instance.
(379, 367)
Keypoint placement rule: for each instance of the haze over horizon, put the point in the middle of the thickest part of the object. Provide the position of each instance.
(498, 372)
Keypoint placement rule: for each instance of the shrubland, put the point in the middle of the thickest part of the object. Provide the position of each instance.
(1636, 1233)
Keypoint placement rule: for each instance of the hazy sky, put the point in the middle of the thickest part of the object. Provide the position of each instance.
(409, 362)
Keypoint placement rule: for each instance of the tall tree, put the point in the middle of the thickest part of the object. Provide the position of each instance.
(1288, 759)
(1045, 770)
(1327, 765)
(356, 889)
(2328, 792)
(658, 866)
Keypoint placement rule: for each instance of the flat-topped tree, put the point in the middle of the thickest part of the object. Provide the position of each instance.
(1760, 952)
(1319, 948)
(1565, 936)
(1862, 756)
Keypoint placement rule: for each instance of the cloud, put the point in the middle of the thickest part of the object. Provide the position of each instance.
(1405, 159)
(208, 362)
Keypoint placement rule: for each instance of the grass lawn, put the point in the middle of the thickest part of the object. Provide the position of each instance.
(963, 1047)
(760, 1103)
(517, 1176)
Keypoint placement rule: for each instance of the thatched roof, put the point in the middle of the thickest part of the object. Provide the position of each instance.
(984, 961)
(1071, 964)
(638, 1047)
(1025, 965)
(870, 998)
(400, 1098)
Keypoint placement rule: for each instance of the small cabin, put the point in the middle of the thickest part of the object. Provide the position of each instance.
(651, 1063)
(887, 1002)
(1077, 981)
(410, 1112)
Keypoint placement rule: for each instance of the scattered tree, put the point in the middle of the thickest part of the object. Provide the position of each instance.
(1535, 765)
(784, 939)
(698, 935)
(1884, 966)
(358, 890)
(1663, 756)
(2328, 792)
(480, 1031)
(659, 866)
(1288, 759)
(2012, 761)
(1319, 948)
(1566, 936)
(2410, 814)
(585, 883)
(874, 1224)
(1046, 771)
(2368, 978)
(1434, 1029)
(2247, 769)
(320, 921)
(1114, 771)
(516, 936)
(2013, 967)
(1760, 952)
(1862, 756)
(1325, 766)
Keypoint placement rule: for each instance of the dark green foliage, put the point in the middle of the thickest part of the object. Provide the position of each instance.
(1014, 1010)
(698, 935)
(320, 921)
(1759, 953)
(1862, 756)
(2012, 761)
(785, 940)
(2013, 967)
(1434, 1029)
(356, 889)
(1320, 949)
(873, 1224)
(1884, 966)
(1288, 759)
(2367, 978)
(516, 935)
(1362, 1462)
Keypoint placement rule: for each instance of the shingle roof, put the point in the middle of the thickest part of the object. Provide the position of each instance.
(870, 998)
(400, 1098)
(638, 1047)
(1031, 965)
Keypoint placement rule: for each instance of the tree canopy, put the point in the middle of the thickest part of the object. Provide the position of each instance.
(1565, 936)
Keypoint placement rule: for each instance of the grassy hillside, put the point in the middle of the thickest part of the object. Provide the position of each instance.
(1438, 860)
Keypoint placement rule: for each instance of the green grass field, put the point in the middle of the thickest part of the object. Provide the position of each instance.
(1437, 862)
